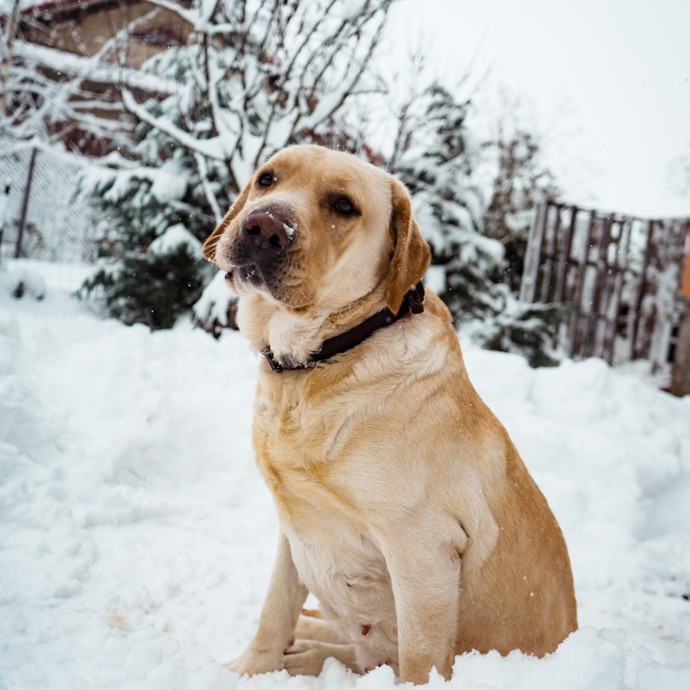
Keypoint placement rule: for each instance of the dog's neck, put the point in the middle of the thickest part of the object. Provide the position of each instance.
(413, 303)
(292, 340)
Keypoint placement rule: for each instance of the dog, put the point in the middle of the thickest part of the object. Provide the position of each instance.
(404, 506)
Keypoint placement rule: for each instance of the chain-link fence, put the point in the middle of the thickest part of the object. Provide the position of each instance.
(42, 220)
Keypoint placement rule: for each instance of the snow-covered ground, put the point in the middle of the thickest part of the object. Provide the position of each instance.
(136, 538)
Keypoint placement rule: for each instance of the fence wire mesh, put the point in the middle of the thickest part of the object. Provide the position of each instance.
(57, 227)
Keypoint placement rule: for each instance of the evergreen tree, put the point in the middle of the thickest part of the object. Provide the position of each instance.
(152, 217)
(530, 330)
(520, 183)
(434, 157)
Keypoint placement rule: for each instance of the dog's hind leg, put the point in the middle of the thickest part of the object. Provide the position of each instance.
(313, 627)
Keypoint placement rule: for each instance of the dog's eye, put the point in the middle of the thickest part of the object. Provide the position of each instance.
(266, 180)
(344, 206)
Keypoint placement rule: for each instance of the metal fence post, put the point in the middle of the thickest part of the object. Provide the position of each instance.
(25, 204)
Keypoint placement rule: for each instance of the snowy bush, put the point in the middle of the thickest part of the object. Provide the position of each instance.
(530, 330)
(19, 282)
(434, 156)
(213, 311)
(151, 289)
(151, 221)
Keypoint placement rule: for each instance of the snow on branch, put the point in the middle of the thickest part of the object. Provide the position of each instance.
(99, 72)
(48, 85)
(208, 190)
(211, 148)
(348, 80)
(192, 16)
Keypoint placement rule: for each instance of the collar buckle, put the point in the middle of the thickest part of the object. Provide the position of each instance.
(272, 361)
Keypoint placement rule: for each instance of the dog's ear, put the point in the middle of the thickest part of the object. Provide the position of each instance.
(411, 254)
(209, 247)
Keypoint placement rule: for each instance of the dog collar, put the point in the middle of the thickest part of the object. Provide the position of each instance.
(413, 303)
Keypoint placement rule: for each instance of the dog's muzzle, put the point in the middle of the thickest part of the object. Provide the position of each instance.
(265, 234)
(262, 248)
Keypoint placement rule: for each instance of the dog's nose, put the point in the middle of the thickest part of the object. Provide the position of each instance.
(267, 231)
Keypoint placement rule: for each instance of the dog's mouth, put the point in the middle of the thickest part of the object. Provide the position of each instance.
(269, 279)
(260, 278)
(249, 275)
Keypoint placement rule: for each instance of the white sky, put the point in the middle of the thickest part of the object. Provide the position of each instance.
(608, 82)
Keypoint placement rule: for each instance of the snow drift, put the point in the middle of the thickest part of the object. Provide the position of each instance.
(137, 538)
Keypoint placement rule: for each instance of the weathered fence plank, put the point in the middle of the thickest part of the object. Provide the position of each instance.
(620, 273)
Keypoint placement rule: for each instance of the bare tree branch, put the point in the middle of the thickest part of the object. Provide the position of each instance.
(208, 192)
(358, 67)
(211, 148)
(99, 73)
(10, 31)
(310, 34)
(191, 16)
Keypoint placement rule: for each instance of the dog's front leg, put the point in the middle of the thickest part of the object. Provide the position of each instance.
(279, 615)
(425, 576)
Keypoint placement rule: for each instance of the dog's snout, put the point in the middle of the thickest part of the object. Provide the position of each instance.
(267, 231)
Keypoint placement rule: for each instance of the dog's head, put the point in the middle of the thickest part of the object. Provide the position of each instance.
(317, 229)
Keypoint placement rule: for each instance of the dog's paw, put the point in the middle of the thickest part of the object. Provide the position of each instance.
(253, 663)
(304, 658)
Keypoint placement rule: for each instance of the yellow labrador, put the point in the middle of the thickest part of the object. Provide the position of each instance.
(404, 506)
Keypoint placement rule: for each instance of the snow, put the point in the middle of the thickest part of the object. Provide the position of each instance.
(171, 182)
(102, 72)
(175, 236)
(6, 5)
(212, 306)
(435, 278)
(17, 280)
(137, 538)
(289, 230)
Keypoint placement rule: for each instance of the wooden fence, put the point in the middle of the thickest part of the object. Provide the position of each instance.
(620, 274)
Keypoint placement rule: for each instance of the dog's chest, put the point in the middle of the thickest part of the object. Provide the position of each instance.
(337, 558)
(303, 458)
(343, 569)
